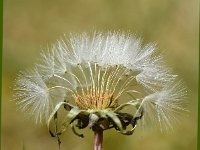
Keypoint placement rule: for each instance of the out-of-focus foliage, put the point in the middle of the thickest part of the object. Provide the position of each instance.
(32, 25)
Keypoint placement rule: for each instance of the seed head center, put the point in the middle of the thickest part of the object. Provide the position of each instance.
(97, 101)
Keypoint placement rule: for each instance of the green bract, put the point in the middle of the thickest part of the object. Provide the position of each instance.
(94, 119)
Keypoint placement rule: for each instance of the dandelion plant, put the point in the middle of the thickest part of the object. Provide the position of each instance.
(93, 78)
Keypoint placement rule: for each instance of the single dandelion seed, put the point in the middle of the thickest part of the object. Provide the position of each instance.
(94, 77)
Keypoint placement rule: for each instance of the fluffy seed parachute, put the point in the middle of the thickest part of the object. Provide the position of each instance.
(94, 77)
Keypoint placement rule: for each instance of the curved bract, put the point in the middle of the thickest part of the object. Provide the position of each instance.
(95, 119)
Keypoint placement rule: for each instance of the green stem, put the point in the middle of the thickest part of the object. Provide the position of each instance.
(98, 140)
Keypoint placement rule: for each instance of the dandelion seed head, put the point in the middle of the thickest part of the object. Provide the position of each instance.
(95, 72)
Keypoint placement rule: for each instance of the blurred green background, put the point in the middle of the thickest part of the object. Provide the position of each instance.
(30, 25)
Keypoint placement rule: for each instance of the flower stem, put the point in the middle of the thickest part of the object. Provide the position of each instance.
(98, 140)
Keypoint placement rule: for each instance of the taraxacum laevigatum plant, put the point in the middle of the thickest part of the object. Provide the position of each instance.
(93, 78)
